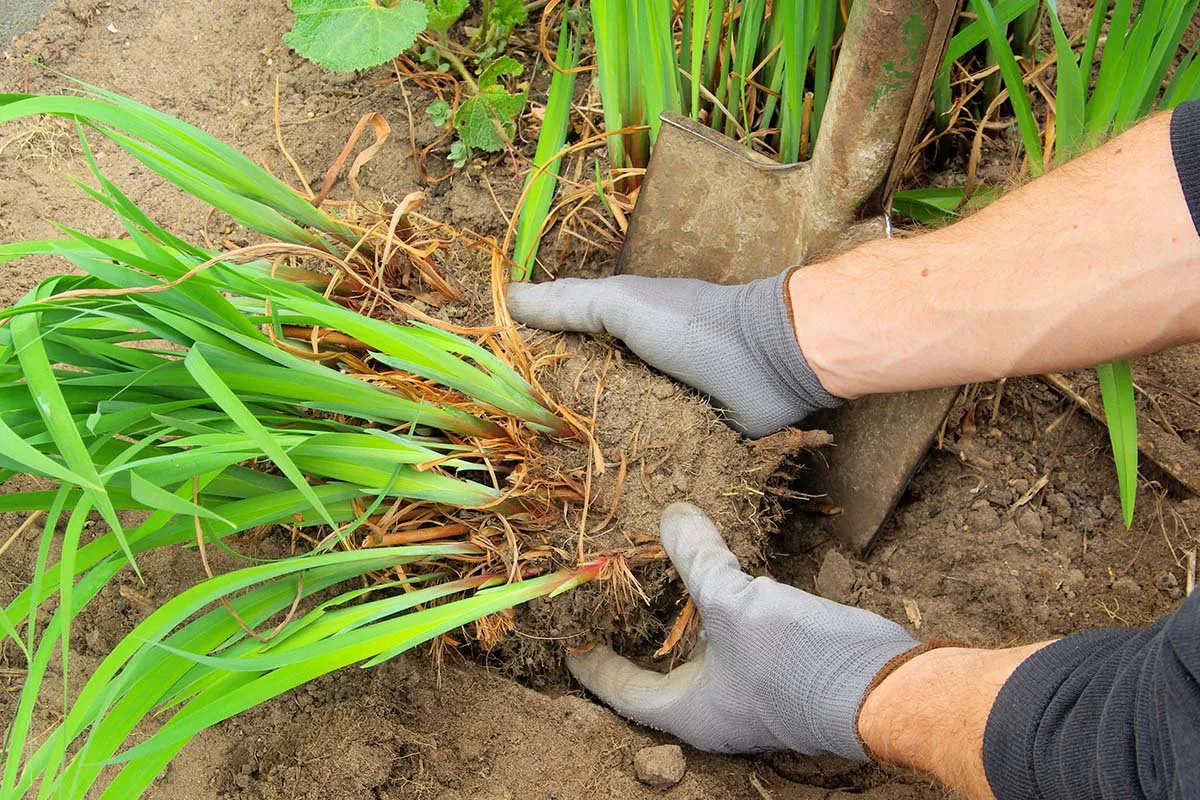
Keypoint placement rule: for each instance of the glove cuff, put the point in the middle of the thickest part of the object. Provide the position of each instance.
(887, 669)
(815, 705)
(838, 732)
(766, 310)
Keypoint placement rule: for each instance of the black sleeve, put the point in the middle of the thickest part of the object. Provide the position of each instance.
(1185, 148)
(1111, 713)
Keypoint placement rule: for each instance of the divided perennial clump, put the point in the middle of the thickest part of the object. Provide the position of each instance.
(218, 392)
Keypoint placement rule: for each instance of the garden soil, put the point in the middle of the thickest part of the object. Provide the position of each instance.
(1011, 531)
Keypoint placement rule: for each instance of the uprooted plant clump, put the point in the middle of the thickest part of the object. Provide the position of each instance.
(643, 441)
(234, 388)
(428, 480)
(646, 442)
(655, 443)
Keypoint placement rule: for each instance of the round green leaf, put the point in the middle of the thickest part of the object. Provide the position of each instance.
(345, 35)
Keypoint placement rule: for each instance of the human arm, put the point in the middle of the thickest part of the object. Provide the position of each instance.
(929, 715)
(1103, 714)
(1097, 260)
(1108, 714)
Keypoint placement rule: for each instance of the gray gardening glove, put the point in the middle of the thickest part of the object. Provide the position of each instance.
(777, 668)
(735, 344)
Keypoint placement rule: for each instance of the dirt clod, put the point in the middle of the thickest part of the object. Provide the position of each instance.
(1060, 505)
(660, 767)
(983, 517)
(1109, 506)
(1030, 522)
(1127, 586)
(835, 581)
(1166, 582)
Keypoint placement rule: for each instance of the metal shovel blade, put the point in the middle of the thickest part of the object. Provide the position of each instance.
(711, 209)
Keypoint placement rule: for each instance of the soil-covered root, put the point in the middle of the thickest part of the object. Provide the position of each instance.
(660, 443)
(641, 441)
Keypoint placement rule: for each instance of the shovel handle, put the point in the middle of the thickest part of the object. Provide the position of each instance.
(878, 98)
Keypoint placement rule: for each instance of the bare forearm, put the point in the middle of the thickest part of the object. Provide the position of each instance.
(1097, 260)
(930, 714)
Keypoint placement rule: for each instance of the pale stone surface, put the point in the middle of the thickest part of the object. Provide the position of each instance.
(18, 16)
(660, 767)
(835, 581)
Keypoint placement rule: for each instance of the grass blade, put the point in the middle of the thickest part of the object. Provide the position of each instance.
(610, 27)
(1116, 390)
(43, 386)
(371, 644)
(975, 33)
(1069, 105)
(795, 72)
(699, 28)
(221, 394)
(542, 180)
(1014, 82)
(823, 62)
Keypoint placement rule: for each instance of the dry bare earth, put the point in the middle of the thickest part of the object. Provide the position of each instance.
(976, 565)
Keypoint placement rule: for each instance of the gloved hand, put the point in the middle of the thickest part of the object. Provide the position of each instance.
(777, 668)
(735, 344)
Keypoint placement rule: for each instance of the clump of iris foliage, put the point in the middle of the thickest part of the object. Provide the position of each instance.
(169, 380)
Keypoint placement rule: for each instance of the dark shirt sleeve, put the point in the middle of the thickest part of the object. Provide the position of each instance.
(1185, 147)
(1111, 713)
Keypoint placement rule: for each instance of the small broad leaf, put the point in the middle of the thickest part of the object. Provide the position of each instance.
(941, 205)
(506, 15)
(444, 13)
(432, 57)
(439, 112)
(930, 205)
(345, 35)
(502, 66)
(485, 121)
(460, 154)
